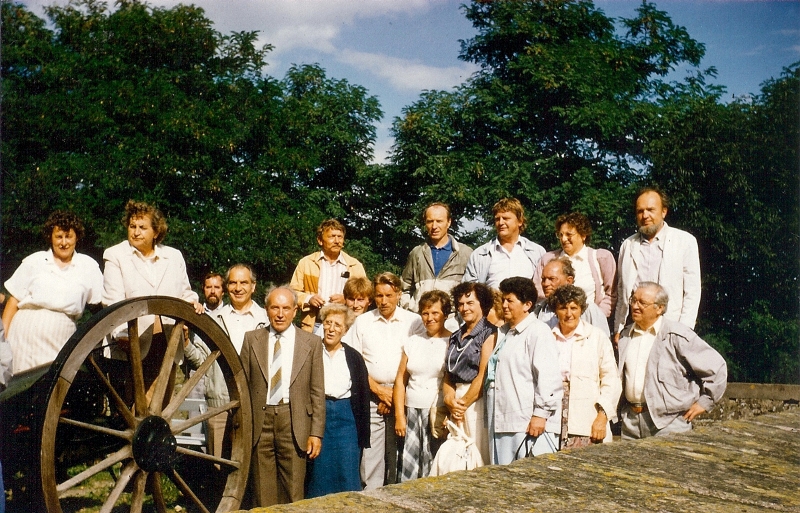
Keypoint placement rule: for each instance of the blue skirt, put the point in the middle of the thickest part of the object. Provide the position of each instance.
(336, 469)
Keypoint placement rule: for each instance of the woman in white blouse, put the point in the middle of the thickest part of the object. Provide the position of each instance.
(417, 385)
(49, 291)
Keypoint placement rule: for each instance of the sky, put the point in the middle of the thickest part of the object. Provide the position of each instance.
(398, 48)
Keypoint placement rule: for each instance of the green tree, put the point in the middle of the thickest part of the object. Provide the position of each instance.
(153, 103)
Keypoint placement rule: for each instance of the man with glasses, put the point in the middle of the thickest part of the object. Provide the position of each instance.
(669, 374)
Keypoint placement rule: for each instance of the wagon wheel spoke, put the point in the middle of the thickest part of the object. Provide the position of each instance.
(167, 371)
(208, 457)
(187, 387)
(197, 419)
(137, 495)
(154, 484)
(184, 488)
(125, 435)
(122, 482)
(135, 359)
(112, 459)
(118, 401)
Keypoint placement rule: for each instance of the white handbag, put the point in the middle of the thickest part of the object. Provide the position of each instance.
(458, 452)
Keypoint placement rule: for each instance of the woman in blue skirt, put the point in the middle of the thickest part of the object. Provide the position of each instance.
(336, 469)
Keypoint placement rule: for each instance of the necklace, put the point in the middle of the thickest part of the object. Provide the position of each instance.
(460, 352)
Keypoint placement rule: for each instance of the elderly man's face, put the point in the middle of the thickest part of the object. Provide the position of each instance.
(650, 213)
(553, 277)
(332, 242)
(437, 223)
(240, 287)
(281, 309)
(644, 310)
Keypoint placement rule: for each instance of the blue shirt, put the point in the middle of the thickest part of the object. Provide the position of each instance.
(441, 255)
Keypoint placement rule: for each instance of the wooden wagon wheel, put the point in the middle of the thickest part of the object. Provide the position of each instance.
(140, 416)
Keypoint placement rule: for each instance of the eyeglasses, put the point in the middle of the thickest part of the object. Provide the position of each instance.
(633, 302)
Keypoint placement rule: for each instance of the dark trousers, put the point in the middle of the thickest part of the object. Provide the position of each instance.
(278, 466)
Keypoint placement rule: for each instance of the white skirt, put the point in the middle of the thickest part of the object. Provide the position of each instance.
(37, 335)
(474, 424)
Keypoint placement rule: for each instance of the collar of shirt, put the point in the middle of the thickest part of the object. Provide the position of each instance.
(51, 260)
(581, 255)
(499, 247)
(155, 256)
(446, 247)
(580, 332)
(652, 330)
(658, 239)
(381, 318)
(339, 259)
(480, 328)
(522, 326)
(287, 333)
(244, 311)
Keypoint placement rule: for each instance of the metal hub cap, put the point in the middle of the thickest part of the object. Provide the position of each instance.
(154, 445)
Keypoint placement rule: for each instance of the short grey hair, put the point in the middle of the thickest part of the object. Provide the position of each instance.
(662, 298)
(240, 266)
(566, 266)
(281, 287)
(567, 294)
(334, 309)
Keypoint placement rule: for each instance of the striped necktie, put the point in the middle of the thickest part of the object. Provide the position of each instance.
(275, 379)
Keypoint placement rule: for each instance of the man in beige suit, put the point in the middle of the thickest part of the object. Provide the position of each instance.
(283, 367)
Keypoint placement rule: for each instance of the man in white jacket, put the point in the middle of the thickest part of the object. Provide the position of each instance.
(662, 254)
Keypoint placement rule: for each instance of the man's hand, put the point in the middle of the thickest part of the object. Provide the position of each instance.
(693, 412)
(337, 298)
(599, 427)
(313, 447)
(536, 426)
(185, 336)
(316, 301)
(384, 394)
(384, 410)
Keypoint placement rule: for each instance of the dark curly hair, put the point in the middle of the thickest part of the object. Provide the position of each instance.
(63, 220)
(137, 209)
(482, 293)
(521, 287)
(579, 221)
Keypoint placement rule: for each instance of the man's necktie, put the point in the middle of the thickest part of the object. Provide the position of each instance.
(275, 380)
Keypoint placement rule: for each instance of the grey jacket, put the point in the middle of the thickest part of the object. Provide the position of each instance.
(418, 276)
(682, 369)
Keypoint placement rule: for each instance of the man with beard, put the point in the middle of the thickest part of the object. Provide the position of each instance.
(213, 290)
(661, 254)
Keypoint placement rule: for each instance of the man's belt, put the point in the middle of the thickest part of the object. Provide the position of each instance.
(637, 408)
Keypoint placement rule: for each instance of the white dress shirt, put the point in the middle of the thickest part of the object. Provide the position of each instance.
(636, 361)
(380, 341)
(238, 322)
(337, 374)
(583, 272)
(331, 280)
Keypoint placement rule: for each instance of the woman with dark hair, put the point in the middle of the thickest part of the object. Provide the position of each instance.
(48, 293)
(595, 269)
(417, 385)
(468, 352)
(336, 469)
(592, 386)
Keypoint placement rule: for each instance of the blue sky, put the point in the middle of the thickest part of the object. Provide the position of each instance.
(398, 48)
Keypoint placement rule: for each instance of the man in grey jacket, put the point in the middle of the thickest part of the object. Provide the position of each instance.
(669, 374)
(439, 263)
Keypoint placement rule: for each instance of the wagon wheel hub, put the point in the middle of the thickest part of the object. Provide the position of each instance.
(154, 445)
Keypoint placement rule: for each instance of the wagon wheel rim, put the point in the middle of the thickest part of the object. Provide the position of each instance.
(146, 432)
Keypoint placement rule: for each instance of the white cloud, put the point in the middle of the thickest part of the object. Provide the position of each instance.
(406, 74)
(795, 49)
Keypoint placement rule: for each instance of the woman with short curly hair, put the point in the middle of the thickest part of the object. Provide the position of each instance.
(49, 292)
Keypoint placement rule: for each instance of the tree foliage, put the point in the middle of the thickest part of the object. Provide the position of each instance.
(153, 103)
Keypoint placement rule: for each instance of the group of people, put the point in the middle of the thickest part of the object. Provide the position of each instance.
(529, 351)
